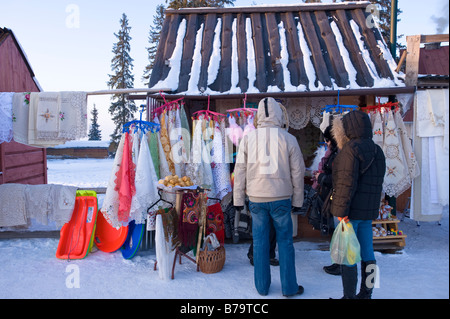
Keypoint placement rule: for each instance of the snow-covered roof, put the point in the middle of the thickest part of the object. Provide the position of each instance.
(291, 48)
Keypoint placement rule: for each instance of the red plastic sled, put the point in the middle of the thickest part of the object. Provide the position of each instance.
(108, 238)
(77, 234)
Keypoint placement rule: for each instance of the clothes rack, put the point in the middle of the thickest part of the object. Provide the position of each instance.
(386, 106)
(144, 126)
(166, 105)
(181, 251)
(339, 108)
(125, 91)
(209, 113)
(244, 109)
(159, 200)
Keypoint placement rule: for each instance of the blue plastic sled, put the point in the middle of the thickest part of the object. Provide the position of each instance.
(133, 241)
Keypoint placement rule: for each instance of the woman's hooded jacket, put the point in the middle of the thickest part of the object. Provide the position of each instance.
(358, 169)
(269, 165)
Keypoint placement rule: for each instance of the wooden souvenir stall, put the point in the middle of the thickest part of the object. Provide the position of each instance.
(220, 59)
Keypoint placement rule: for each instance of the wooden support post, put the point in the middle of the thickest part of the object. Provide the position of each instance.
(412, 59)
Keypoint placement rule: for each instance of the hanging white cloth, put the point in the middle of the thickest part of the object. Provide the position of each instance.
(13, 208)
(110, 206)
(406, 143)
(164, 252)
(428, 123)
(397, 178)
(73, 115)
(145, 183)
(21, 106)
(377, 129)
(220, 168)
(38, 113)
(249, 127)
(177, 146)
(325, 121)
(6, 117)
(194, 169)
(442, 169)
(48, 115)
(430, 189)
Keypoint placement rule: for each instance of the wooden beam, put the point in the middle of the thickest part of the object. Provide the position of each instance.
(274, 8)
(314, 46)
(257, 31)
(188, 52)
(402, 59)
(296, 64)
(434, 38)
(275, 54)
(340, 73)
(242, 52)
(412, 59)
(312, 94)
(206, 49)
(363, 77)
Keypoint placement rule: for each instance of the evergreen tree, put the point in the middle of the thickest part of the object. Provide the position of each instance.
(121, 109)
(95, 134)
(384, 11)
(153, 39)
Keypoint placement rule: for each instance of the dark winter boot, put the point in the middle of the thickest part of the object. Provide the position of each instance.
(367, 284)
(333, 269)
(349, 280)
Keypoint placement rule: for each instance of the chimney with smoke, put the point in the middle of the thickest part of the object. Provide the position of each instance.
(442, 21)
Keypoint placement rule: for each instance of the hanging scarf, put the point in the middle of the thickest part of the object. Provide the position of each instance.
(110, 206)
(220, 169)
(214, 222)
(194, 169)
(170, 224)
(165, 253)
(6, 117)
(377, 129)
(145, 183)
(234, 131)
(125, 181)
(20, 113)
(153, 146)
(397, 178)
(188, 223)
(165, 141)
(185, 131)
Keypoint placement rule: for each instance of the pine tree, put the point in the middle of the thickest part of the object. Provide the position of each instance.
(153, 39)
(121, 109)
(95, 134)
(384, 21)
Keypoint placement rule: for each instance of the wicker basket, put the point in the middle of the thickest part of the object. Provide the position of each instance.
(211, 261)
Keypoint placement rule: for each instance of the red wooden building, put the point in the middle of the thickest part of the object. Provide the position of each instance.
(19, 163)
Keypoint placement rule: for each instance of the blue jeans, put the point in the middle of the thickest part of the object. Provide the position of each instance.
(280, 213)
(363, 230)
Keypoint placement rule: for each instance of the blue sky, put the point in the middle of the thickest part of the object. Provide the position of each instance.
(69, 43)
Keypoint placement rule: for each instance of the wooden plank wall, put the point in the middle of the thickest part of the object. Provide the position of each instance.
(22, 164)
(19, 163)
(14, 73)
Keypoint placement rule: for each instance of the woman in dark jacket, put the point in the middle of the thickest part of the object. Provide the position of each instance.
(358, 173)
(325, 184)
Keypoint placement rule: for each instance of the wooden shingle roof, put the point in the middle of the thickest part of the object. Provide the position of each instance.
(293, 48)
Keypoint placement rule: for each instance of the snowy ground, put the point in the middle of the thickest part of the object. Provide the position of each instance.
(29, 268)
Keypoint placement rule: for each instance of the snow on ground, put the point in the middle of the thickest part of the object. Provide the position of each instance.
(29, 268)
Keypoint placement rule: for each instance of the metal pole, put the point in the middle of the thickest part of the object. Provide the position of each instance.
(393, 38)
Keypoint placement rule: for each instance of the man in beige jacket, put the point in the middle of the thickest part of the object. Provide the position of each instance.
(270, 170)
